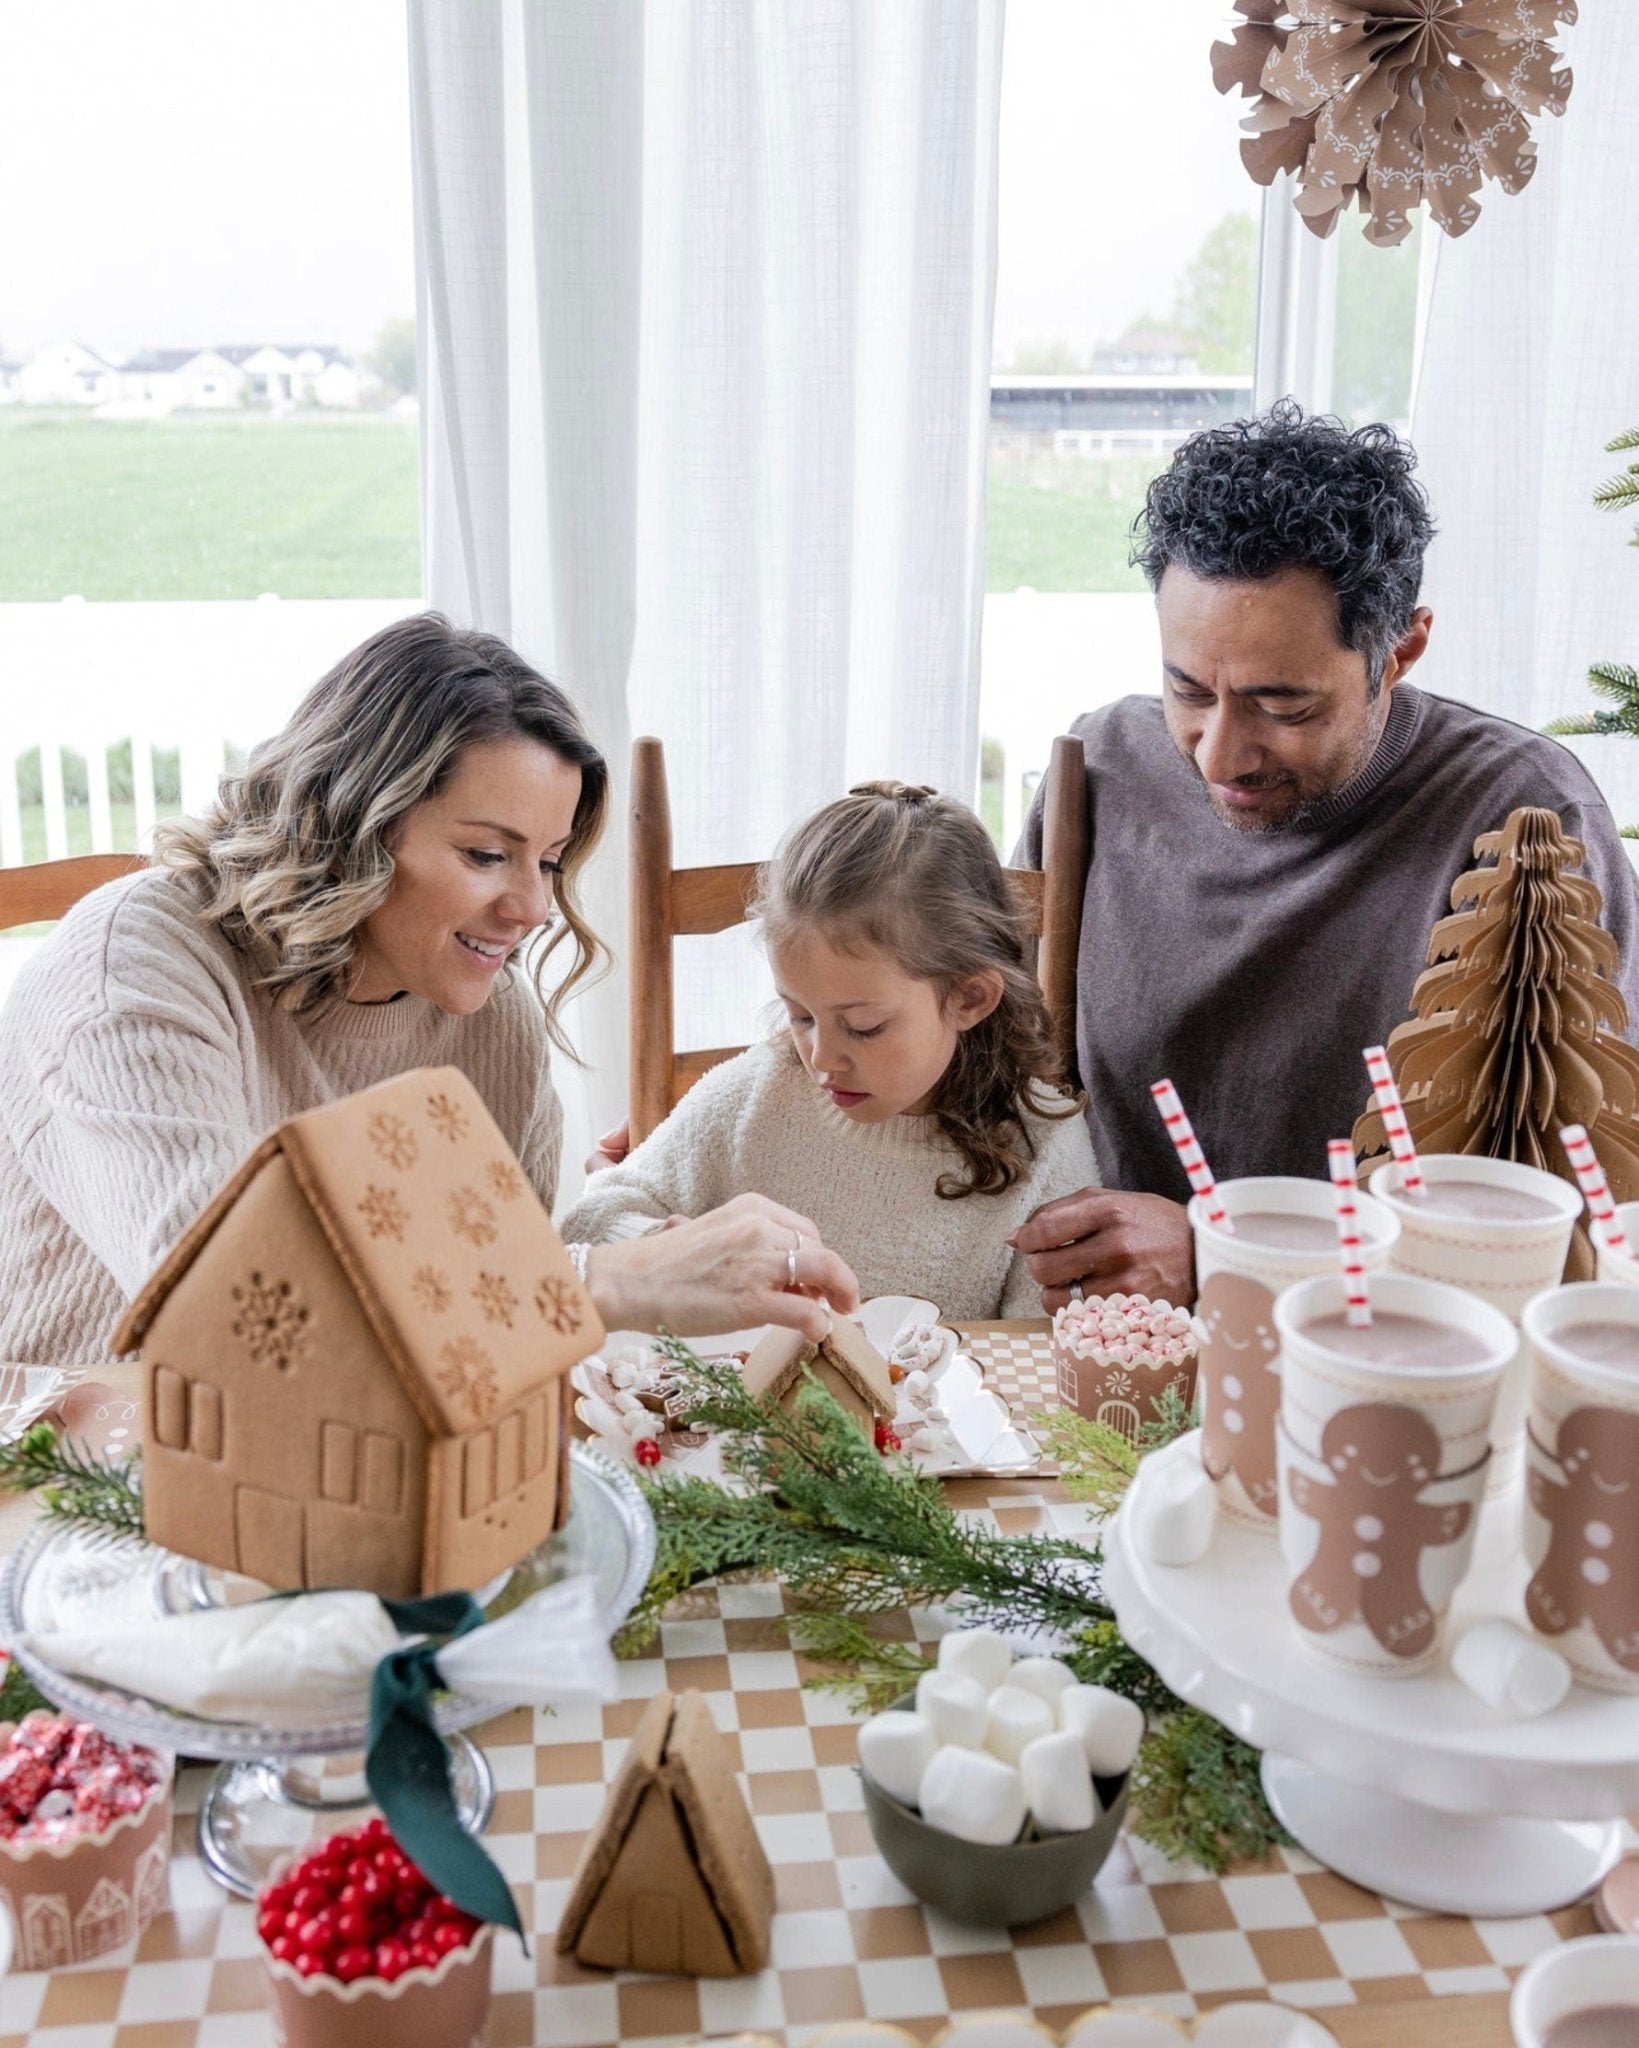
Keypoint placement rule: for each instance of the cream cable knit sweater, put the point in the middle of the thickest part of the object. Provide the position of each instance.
(758, 1124)
(138, 1066)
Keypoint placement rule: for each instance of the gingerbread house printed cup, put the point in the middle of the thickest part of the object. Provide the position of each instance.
(1384, 1441)
(1581, 1510)
(1285, 1231)
(1500, 1230)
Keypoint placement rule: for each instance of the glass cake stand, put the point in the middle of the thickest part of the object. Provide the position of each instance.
(1412, 1787)
(277, 1785)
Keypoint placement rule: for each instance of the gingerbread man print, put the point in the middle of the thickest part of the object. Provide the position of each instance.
(1374, 1526)
(1240, 1388)
(1591, 1570)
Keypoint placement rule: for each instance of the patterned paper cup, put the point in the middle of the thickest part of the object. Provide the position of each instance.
(88, 1897)
(1618, 1266)
(1382, 1469)
(1238, 1277)
(1581, 1514)
(1504, 1260)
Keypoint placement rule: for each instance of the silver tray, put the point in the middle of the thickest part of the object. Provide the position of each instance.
(65, 1575)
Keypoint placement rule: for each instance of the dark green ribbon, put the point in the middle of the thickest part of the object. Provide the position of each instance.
(407, 1766)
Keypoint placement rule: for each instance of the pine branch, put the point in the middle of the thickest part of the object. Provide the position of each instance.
(19, 1695)
(1581, 722)
(1197, 1795)
(76, 1485)
(1617, 493)
(1627, 439)
(1096, 1463)
(1618, 680)
(871, 1670)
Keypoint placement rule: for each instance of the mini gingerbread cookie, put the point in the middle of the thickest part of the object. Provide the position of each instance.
(1374, 1526)
(1240, 1388)
(1591, 1571)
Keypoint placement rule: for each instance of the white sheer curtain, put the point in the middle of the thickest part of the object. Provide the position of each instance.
(706, 293)
(1530, 365)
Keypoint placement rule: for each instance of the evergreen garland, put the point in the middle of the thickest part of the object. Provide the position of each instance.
(75, 1485)
(1616, 680)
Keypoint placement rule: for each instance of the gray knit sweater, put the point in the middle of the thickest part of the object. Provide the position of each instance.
(758, 1123)
(138, 1066)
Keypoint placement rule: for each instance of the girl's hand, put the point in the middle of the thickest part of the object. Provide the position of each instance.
(1107, 1241)
(727, 1270)
(612, 1148)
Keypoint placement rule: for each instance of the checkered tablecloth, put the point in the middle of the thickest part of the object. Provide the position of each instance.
(848, 1941)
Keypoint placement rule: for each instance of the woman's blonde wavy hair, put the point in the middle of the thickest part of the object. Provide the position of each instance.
(900, 868)
(297, 851)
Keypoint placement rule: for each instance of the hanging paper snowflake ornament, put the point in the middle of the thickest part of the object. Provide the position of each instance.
(1391, 104)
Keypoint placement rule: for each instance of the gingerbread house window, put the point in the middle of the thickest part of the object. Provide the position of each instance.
(170, 1408)
(104, 1921)
(383, 1473)
(478, 1472)
(534, 1436)
(338, 1463)
(205, 1419)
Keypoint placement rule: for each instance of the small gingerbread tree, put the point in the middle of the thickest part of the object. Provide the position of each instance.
(1515, 1028)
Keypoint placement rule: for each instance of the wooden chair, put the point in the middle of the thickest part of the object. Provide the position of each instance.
(47, 889)
(669, 903)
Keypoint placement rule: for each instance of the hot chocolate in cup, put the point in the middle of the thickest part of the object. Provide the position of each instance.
(1581, 1509)
(1285, 1230)
(1500, 1230)
(1622, 1267)
(1384, 1441)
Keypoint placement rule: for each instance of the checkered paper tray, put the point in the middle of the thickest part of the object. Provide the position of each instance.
(848, 1942)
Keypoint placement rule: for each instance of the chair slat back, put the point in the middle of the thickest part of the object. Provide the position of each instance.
(668, 903)
(48, 889)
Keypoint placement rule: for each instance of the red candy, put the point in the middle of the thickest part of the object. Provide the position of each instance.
(356, 1906)
(60, 1777)
(646, 1451)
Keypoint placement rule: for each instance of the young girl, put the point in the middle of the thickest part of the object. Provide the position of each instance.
(910, 1107)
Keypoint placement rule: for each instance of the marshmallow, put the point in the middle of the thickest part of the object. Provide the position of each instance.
(976, 1653)
(1510, 1670)
(1016, 1718)
(1043, 1675)
(1172, 1516)
(1058, 1788)
(973, 1796)
(1108, 1727)
(895, 1749)
(955, 1706)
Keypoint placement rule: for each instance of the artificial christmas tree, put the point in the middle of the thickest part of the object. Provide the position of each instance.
(1515, 1029)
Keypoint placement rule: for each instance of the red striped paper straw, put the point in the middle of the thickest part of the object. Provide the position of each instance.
(1182, 1134)
(1590, 1178)
(1392, 1111)
(1340, 1158)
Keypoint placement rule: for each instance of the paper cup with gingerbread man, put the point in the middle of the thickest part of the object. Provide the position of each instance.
(1280, 1230)
(1384, 1442)
(1582, 1479)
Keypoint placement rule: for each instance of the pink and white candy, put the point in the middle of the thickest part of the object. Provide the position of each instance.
(1182, 1133)
(1124, 1329)
(1590, 1178)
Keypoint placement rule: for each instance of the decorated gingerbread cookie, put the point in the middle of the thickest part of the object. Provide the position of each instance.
(1374, 1526)
(1591, 1570)
(1240, 1386)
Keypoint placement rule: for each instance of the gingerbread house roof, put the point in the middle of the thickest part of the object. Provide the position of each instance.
(444, 1242)
(773, 1367)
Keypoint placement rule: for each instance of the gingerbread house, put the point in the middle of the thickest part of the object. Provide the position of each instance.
(356, 1359)
(846, 1363)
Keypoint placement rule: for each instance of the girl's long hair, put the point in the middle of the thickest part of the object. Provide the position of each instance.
(296, 852)
(900, 868)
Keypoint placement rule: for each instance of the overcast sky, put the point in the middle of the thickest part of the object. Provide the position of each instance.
(183, 171)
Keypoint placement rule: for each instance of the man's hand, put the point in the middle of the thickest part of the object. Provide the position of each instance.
(613, 1147)
(1109, 1242)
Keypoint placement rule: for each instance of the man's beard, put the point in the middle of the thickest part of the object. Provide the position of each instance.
(1266, 827)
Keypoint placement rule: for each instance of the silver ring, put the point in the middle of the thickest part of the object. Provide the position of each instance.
(791, 1259)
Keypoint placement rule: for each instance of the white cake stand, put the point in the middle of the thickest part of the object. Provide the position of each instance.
(1412, 1786)
(277, 1781)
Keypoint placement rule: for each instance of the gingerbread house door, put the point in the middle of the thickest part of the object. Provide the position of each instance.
(268, 1536)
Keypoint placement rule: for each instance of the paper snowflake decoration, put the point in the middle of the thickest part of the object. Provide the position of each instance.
(1390, 104)
(432, 1290)
(495, 1299)
(558, 1303)
(471, 1216)
(467, 1375)
(384, 1214)
(271, 1323)
(395, 1143)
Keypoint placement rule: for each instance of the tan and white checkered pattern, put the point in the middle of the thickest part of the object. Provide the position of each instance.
(848, 1941)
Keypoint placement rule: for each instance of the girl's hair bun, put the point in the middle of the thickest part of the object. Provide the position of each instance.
(896, 792)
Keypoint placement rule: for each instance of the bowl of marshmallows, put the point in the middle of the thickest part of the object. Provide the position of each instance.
(996, 1790)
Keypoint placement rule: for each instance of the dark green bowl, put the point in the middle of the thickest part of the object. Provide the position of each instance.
(992, 1887)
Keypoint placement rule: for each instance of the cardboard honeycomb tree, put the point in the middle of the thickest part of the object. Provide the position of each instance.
(1516, 1025)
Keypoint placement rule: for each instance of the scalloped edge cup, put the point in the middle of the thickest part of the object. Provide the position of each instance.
(446, 2007)
(985, 1885)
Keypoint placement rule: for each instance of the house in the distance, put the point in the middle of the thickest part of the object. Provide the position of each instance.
(66, 373)
(282, 375)
(181, 379)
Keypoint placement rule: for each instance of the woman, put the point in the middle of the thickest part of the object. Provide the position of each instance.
(357, 903)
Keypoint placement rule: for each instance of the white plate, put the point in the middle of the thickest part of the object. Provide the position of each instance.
(26, 1392)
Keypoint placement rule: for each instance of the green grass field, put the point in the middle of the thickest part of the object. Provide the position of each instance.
(207, 507)
(230, 506)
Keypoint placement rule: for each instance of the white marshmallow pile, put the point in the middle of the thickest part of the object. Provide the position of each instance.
(994, 1741)
(1124, 1329)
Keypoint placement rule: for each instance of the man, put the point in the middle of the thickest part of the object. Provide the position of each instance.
(1274, 836)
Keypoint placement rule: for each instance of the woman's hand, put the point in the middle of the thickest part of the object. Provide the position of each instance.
(612, 1148)
(727, 1270)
